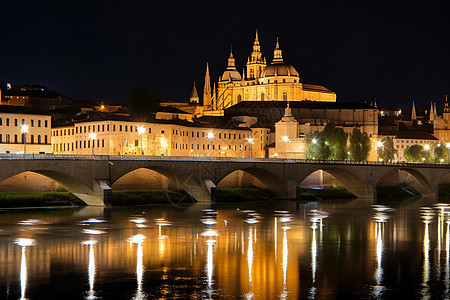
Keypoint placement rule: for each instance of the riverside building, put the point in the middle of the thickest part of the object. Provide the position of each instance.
(13, 139)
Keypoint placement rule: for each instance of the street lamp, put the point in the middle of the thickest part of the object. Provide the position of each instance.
(24, 131)
(251, 141)
(286, 140)
(164, 144)
(379, 145)
(210, 137)
(141, 131)
(93, 137)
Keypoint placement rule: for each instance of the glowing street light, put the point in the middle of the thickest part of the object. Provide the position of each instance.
(24, 131)
(251, 141)
(141, 131)
(92, 136)
(379, 145)
(314, 141)
(286, 140)
(210, 137)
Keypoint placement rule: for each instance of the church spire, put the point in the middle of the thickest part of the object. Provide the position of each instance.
(413, 112)
(207, 88)
(194, 95)
(256, 46)
(277, 55)
(432, 114)
(231, 62)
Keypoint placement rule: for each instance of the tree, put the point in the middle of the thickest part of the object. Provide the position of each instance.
(337, 141)
(440, 153)
(359, 145)
(143, 103)
(414, 153)
(386, 151)
(318, 148)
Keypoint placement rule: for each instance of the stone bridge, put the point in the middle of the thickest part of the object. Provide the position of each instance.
(90, 179)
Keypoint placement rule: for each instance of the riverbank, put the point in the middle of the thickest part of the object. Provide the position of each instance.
(336, 192)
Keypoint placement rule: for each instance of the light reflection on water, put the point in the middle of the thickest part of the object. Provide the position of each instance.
(285, 250)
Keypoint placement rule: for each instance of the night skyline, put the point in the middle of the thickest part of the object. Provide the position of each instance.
(102, 52)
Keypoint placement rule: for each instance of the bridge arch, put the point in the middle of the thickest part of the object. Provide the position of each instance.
(254, 176)
(409, 176)
(346, 178)
(71, 184)
(159, 177)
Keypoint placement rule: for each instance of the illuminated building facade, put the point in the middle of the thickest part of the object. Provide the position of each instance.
(120, 136)
(11, 130)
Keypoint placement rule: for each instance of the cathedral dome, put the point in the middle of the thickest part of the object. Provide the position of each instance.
(279, 69)
(231, 74)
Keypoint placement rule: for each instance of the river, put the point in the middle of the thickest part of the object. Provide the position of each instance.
(334, 249)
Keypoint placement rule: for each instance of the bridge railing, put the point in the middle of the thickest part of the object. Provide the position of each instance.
(47, 156)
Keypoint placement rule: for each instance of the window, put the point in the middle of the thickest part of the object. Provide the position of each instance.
(15, 122)
(114, 127)
(285, 96)
(32, 139)
(45, 123)
(39, 139)
(46, 140)
(120, 127)
(238, 98)
(136, 143)
(103, 127)
(32, 123)
(39, 123)
(7, 138)
(262, 96)
(7, 121)
(15, 138)
(1, 121)
(149, 130)
(162, 131)
(126, 128)
(1, 138)
(103, 143)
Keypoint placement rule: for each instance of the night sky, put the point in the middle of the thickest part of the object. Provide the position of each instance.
(103, 50)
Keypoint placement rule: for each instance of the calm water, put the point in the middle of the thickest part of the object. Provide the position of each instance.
(347, 249)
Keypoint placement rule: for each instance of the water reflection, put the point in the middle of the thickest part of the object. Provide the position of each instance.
(283, 255)
(380, 217)
(427, 214)
(138, 239)
(316, 218)
(250, 256)
(91, 268)
(210, 267)
(24, 243)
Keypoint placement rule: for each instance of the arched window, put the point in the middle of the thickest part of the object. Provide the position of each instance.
(32, 139)
(15, 139)
(7, 138)
(262, 96)
(238, 98)
(39, 139)
(285, 96)
(7, 121)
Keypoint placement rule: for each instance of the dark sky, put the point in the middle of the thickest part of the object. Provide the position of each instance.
(103, 50)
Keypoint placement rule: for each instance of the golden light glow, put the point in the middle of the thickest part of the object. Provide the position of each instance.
(24, 128)
(92, 136)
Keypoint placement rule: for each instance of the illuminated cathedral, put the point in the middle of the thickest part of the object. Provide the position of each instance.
(259, 81)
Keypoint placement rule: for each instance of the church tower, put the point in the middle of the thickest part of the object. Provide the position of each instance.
(194, 96)
(446, 114)
(255, 63)
(207, 89)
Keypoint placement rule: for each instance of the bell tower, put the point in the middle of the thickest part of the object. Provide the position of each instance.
(255, 63)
